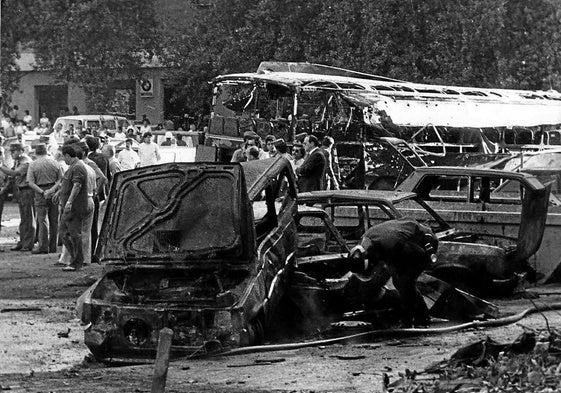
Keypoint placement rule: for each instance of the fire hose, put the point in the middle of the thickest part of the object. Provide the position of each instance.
(405, 332)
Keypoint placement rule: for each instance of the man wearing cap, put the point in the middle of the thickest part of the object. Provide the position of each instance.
(169, 139)
(24, 196)
(43, 175)
(127, 157)
(148, 151)
(403, 248)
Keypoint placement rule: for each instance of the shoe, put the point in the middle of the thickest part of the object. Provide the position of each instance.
(37, 251)
(16, 248)
(58, 263)
(25, 249)
(68, 269)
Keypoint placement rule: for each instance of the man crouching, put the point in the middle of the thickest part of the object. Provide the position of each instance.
(405, 248)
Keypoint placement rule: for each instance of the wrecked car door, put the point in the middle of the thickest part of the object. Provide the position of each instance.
(272, 192)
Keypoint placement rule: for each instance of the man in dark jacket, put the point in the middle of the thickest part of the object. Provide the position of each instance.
(311, 173)
(405, 248)
(332, 176)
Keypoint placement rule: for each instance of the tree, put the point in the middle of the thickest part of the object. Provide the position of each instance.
(14, 16)
(531, 49)
(95, 42)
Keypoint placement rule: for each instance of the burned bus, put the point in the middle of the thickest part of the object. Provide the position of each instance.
(375, 120)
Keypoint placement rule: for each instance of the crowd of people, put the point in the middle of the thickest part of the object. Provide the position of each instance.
(59, 196)
(60, 181)
(315, 163)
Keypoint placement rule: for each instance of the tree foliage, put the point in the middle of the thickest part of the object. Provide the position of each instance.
(14, 16)
(485, 43)
(91, 42)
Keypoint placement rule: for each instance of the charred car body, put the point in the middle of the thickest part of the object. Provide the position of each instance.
(184, 249)
(479, 262)
(323, 285)
(507, 210)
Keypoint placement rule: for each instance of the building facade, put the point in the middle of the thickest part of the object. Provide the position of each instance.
(39, 93)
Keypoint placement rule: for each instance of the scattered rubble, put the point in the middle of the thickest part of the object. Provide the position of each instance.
(531, 363)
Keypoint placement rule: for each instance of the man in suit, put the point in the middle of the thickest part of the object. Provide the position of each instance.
(311, 173)
(332, 163)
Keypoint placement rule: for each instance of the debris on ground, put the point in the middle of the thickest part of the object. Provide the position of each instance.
(64, 333)
(20, 309)
(531, 363)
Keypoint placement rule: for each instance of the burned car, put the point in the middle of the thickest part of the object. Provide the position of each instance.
(201, 248)
(481, 263)
(507, 210)
(322, 285)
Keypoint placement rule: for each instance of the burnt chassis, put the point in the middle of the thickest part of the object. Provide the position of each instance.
(380, 164)
(480, 263)
(321, 288)
(488, 203)
(210, 302)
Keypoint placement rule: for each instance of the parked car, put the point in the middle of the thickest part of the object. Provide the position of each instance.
(201, 248)
(478, 261)
(109, 122)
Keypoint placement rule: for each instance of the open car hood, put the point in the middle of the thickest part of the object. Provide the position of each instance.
(178, 212)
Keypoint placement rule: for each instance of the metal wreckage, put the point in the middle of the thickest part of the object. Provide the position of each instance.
(224, 254)
(228, 254)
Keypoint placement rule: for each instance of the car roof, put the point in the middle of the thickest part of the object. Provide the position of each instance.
(90, 117)
(525, 178)
(355, 196)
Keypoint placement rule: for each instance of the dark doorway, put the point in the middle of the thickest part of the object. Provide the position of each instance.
(175, 107)
(51, 100)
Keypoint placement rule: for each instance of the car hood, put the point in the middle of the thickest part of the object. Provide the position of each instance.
(178, 212)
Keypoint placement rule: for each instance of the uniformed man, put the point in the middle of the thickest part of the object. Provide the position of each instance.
(405, 248)
(24, 196)
(43, 177)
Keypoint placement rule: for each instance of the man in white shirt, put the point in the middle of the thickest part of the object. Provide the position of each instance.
(120, 134)
(128, 158)
(148, 152)
(145, 127)
(44, 121)
(27, 119)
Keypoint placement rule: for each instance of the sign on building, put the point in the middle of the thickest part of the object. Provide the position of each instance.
(146, 87)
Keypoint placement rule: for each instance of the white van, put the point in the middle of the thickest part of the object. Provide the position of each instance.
(111, 122)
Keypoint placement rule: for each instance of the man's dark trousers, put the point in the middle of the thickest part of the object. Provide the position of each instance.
(47, 210)
(25, 198)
